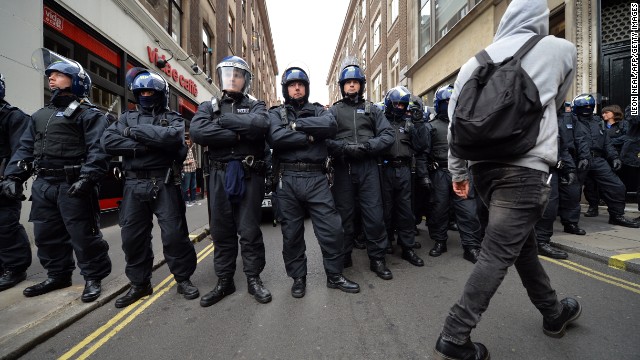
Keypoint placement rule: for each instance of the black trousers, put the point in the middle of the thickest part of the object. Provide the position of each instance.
(443, 199)
(396, 195)
(544, 226)
(136, 221)
(237, 223)
(361, 180)
(310, 191)
(609, 185)
(64, 225)
(15, 250)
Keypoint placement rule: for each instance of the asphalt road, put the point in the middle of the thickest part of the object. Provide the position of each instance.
(397, 319)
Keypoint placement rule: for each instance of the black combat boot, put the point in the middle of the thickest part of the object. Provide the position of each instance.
(556, 328)
(188, 290)
(225, 287)
(623, 221)
(11, 278)
(411, 256)
(257, 289)
(338, 281)
(438, 249)
(545, 249)
(471, 254)
(447, 350)
(572, 228)
(299, 287)
(380, 268)
(92, 291)
(592, 211)
(135, 293)
(47, 286)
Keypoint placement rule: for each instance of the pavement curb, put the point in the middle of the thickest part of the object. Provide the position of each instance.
(30, 335)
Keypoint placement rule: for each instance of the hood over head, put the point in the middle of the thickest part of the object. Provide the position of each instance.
(524, 17)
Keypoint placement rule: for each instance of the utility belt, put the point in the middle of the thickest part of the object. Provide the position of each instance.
(248, 163)
(434, 165)
(300, 166)
(396, 163)
(597, 153)
(70, 173)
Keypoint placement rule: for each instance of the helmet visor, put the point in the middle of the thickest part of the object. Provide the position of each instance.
(43, 58)
(232, 79)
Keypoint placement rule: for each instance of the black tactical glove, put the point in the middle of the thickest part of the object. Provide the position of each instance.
(356, 151)
(11, 188)
(408, 126)
(616, 165)
(425, 183)
(583, 164)
(80, 188)
(126, 132)
(568, 178)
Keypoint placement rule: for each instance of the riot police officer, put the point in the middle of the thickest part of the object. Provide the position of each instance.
(15, 250)
(611, 188)
(151, 143)
(234, 129)
(62, 142)
(297, 134)
(572, 135)
(363, 133)
(630, 151)
(422, 185)
(410, 137)
(443, 198)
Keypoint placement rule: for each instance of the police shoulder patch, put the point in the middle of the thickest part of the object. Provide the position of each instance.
(243, 111)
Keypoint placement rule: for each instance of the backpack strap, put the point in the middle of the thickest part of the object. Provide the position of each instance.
(527, 46)
(483, 57)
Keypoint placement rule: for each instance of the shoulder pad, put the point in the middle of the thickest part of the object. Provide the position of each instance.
(318, 104)
(274, 107)
(337, 102)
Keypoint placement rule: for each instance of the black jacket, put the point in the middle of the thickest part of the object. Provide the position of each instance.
(236, 131)
(313, 125)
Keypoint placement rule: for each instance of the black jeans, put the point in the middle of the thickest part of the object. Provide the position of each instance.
(516, 198)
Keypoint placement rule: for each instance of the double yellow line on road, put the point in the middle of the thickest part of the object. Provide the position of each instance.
(584, 270)
(133, 310)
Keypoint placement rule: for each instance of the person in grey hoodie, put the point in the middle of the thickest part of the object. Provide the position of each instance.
(515, 190)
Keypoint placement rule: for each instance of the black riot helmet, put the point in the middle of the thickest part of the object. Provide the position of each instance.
(350, 70)
(295, 72)
(141, 79)
(48, 61)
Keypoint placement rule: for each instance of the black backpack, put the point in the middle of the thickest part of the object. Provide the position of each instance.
(498, 111)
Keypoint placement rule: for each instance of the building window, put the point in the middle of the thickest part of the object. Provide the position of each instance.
(394, 61)
(376, 92)
(353, 33)
(175, 20)
(394, 9)
(244, 50)
(207, 51)
(363, 9)
(363, 56)
(424, 33)
(232, 26)
(448, 13)
(377, 36)
(244, 11)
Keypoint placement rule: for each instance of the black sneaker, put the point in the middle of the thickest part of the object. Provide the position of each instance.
(571, 311)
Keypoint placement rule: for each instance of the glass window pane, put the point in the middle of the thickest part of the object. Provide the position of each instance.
(448, 13)
(424, 34)
(175, 24)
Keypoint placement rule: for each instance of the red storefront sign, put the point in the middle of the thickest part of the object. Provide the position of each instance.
(62, 25)
(172, 72)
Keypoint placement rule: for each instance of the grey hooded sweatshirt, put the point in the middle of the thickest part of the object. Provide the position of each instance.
(550, 65)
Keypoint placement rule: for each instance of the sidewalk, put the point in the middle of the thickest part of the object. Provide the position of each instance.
(26, 323)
